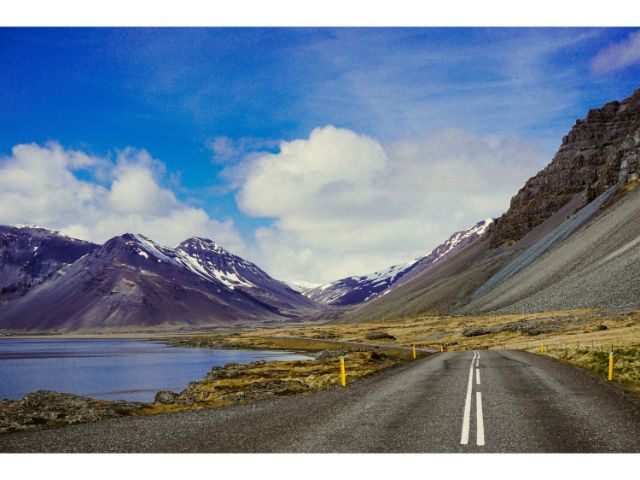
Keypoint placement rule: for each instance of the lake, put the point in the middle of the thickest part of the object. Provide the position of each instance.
(111, 369)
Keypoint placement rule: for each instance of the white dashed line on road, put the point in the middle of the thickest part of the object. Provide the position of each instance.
(466, 418)
(479, 420)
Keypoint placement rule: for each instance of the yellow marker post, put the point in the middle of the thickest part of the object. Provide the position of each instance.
(343, 373)
(610, 366)
(542, 348)
(441, 348)
(414, 352)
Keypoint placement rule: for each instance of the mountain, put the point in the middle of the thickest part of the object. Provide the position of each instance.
(217, 264)
(596, 265)
(31, 255)
(359, 289)
(568, 240)
(592, 157)
(131, 281)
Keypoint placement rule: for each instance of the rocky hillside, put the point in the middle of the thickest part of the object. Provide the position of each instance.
(569, 239)
(596, 266)
(359, 289)
(594, 155)
(31, 255)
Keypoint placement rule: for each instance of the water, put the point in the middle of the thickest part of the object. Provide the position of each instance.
(111, 369)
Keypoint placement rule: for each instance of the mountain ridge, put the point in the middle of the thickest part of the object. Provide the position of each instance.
(594, 155)
(359, 289)
(132, 281)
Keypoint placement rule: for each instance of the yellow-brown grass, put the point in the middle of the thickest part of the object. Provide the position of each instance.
(579, 330)
(260, 380)
(576, 327)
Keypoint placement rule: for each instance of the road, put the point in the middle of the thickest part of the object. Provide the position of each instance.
(481, 401)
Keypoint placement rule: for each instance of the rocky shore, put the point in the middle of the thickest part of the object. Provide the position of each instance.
(46, 409)
(235, 383)
(223, 385)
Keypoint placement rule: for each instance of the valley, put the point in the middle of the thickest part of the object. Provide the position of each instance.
(537, 296)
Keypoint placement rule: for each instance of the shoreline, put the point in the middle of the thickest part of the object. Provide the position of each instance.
(230, 384)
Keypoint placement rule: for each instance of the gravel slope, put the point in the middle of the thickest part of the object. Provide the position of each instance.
(597, 266)
(530, 403)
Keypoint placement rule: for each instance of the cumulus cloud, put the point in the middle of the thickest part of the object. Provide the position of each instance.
(98, 198)
(344, 204)
(618, 56)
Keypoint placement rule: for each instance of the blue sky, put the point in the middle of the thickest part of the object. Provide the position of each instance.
(205, 110)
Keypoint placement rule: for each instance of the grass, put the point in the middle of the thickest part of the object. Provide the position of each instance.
(517, 331)
(238, 384)
(580, 337)
(626, 367)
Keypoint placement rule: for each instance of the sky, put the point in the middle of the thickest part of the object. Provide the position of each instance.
(317, 153)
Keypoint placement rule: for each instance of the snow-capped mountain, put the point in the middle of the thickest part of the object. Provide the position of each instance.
(360, 289)
(457, 241)
(133, 281)
(209, 259)
(29, 255)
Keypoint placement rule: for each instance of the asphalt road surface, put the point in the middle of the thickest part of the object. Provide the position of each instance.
(482, 401)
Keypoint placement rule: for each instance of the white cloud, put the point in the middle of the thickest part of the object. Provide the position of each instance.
(618, 56)
(41, 185)
(222, 149)
(344, 204)
(225, 149)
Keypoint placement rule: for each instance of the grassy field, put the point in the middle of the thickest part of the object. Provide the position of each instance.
(520, 331)
(580, 337)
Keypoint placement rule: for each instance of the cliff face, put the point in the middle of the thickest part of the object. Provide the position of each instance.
(598, 152)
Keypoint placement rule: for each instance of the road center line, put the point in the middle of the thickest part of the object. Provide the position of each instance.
(479, 420)
(477, 376)
(464, 439)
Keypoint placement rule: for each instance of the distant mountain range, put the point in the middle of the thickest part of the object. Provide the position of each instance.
(58, 283)
(570, 239)
(51, 282)
(359, 289)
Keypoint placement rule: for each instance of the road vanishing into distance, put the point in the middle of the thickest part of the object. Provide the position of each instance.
(473, 401)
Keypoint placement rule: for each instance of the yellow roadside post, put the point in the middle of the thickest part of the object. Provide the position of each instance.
(542, 348)
(414, 352)
(610, 366)
(441, 348)
(343, 373)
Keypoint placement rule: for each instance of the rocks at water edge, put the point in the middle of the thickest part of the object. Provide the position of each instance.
(46, 409)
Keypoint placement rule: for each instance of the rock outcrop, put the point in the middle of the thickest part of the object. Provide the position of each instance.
(46, 409)
(598, 152)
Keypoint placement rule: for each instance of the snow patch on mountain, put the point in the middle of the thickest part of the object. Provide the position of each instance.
(302, 286)
(360, 289)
